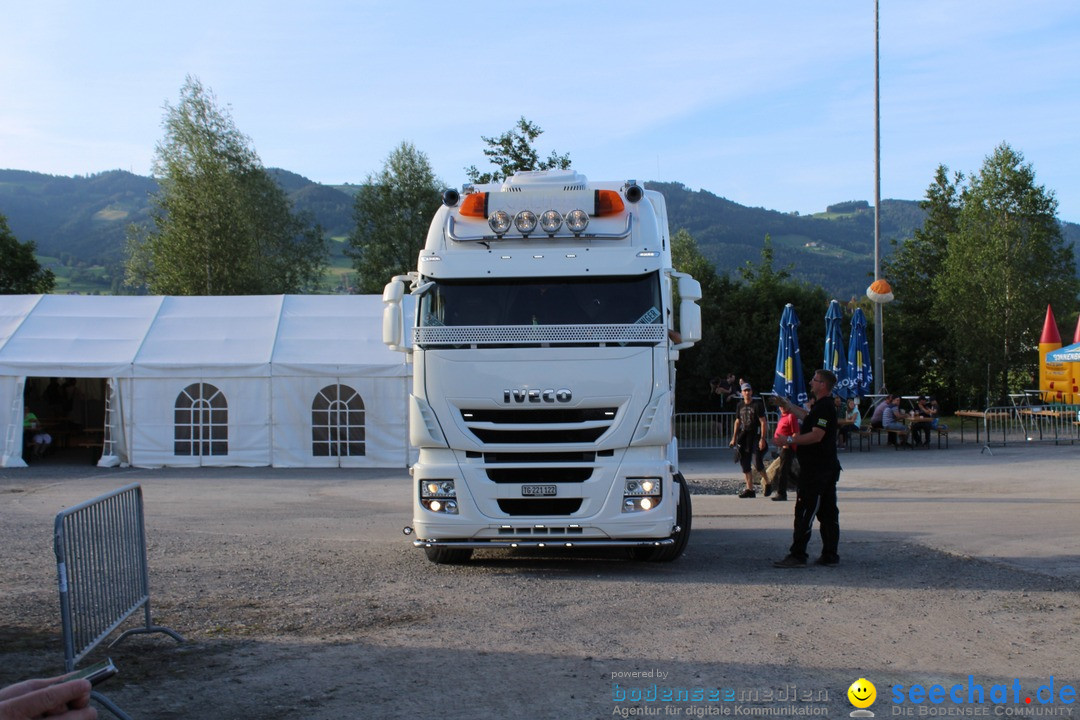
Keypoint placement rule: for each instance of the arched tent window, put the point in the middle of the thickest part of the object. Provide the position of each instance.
(201, 421)
(337, 422)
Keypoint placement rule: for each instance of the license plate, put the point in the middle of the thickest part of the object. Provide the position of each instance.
(538, 490)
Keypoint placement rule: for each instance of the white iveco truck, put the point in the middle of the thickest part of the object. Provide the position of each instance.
(543, 350)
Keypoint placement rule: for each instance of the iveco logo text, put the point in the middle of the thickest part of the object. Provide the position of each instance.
(525, 395)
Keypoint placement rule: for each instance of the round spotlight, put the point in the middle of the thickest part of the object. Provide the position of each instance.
(525, 222)
(499, 222)
(646, 503)
(450, 197)
(634, 193)
(577, 221)
(551, 221)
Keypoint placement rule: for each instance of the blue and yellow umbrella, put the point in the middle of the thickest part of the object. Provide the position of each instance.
(860, 369)
(789, 375)
(835, 358)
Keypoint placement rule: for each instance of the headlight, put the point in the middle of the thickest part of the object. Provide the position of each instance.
(550, 222)
(641, 494)
(439, 496)
(437, 488)
(525, 222)
(499, 222)
(577, 221)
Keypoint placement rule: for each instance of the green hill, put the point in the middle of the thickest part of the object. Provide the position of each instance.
(78, 224)
(833, 249)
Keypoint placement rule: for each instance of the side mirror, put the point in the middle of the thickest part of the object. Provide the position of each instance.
(392, 326)
(689, 312)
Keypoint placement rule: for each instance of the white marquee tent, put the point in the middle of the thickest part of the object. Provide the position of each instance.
(288, 381)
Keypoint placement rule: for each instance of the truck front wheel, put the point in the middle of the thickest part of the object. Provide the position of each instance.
(683, 517)
(448, 556)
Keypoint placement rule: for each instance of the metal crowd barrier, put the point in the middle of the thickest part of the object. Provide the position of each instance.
(1056, 424)
(102, 573)
(710, 430)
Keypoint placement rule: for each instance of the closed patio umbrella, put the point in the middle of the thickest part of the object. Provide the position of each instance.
(835, 357)
(860, 372)
(788, 381)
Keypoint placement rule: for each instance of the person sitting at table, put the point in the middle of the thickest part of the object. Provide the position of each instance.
(922, 429)
(892, 419)
(39, 439)
(879, 411)
(853, 418)
(935, 411)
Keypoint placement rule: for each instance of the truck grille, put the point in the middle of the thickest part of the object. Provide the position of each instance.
(540, 475)
(539, 467)
(558, 506)
(538, 427)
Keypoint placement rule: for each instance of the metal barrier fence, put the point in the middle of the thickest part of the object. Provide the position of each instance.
(102, 573)
(710, 430)
(1056, 424)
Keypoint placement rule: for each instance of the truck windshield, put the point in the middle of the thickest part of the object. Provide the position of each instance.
(543, 301)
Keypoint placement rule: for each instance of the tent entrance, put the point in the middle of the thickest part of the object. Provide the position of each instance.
(71, 420)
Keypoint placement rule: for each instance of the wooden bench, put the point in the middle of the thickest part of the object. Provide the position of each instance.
(942, 432)
(863, 433)
(896, 436)
(93, 444)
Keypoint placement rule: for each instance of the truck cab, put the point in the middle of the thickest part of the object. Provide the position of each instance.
(543, 345)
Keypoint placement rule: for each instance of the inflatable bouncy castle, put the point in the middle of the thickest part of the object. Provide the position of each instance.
(1056, 379)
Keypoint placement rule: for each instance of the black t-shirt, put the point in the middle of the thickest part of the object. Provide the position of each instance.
(821, 456)
(749, 421)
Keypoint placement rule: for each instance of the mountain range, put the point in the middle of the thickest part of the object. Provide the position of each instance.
(80, 222)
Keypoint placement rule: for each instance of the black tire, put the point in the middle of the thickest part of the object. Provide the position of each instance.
(683, 518)
(448, 556)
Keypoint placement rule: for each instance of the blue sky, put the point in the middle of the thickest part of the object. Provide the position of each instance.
(768, 105)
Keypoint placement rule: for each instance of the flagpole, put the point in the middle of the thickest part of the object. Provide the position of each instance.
(879, 370)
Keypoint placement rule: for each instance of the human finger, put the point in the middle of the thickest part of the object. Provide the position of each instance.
(56, 699)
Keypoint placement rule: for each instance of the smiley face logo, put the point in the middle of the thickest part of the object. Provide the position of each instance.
(862, 693)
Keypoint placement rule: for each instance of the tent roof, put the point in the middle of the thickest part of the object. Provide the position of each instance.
(248, 336)
(341, 331)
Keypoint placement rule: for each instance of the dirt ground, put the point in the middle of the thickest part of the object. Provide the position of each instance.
(299, 597)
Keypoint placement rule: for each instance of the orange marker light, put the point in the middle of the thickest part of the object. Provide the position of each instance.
(475, 205)
(608, 202)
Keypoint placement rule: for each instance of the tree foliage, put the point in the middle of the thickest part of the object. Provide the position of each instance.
(919, 350)
(513, 151)
(974, 284)
(741, 322)
(221, 225)
(393, 211)
(20, 272)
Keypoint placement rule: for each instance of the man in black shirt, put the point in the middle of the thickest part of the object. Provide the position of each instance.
(750, 434)
(819, 470)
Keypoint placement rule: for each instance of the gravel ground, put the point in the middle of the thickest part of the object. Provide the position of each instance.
(299, 598)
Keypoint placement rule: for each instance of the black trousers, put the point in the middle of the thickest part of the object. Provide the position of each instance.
(784, 474)
(816, 497)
